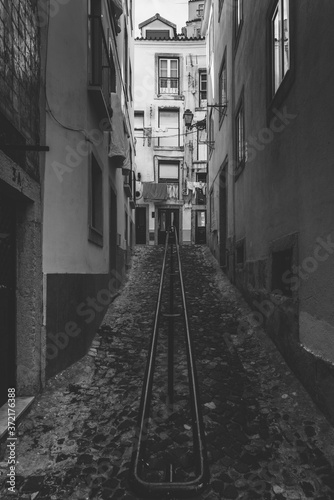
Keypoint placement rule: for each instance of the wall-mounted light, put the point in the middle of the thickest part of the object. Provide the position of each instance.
(188, 116)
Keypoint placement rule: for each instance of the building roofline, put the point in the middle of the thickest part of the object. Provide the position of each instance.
(182, 38)
(155, 18)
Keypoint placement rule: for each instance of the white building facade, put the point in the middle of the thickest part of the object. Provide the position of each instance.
(88, 183)
(170, 78)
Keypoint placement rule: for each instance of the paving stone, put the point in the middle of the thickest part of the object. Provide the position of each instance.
(231, 492)
(255, 438)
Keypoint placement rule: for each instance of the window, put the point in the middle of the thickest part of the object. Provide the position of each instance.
(200, 10)
(96, 203)
(101, 62)
(139, 120)
(131, 14)
(238, 17)
(125, 61)
(201, 191)
(240, 137)
(223, 89)
(203, 84)
(211, 133)
(130, 81)
(220, 7)
(280, 40)
(201, 145)
(169, 172)
(160, 34)
(169, 120)
(168, 76)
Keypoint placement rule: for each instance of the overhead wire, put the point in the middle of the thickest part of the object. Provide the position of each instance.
(49, 109)
(165, 136)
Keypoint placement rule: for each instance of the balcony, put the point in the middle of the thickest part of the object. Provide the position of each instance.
(102, 73)
(169, 86)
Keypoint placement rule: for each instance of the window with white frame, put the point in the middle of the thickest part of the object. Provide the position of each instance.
(139, 120)
(280, 40)
(168, 172)
(169, 126)
(200, 10)
(203, 85)
(169, 81)
(201, 145)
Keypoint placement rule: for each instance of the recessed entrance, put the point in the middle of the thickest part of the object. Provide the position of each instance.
(140, 225)
(7, 298)
(167, 217)
(200, 231)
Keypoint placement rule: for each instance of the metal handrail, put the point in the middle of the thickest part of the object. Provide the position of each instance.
(176, 489)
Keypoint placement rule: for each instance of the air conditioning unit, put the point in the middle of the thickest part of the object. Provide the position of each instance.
(139, 190)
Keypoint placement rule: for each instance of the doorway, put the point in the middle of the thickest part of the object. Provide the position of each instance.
(141, 225)
(167, 217)
(7, 298)
(200, 230)
(113, 232)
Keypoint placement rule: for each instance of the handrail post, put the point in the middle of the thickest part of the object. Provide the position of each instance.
(171, 330)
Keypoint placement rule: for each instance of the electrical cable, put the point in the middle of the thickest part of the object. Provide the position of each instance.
(49, 110)
(164, 136)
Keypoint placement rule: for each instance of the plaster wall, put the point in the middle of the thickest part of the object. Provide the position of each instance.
(192, 57)
(286, 186)
(283, 197)
(221, 153)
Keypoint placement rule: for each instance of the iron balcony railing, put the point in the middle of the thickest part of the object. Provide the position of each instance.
(102, 67)
(173, 489)
(169, 85)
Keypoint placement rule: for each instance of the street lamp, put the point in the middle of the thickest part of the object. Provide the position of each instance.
(188, 118)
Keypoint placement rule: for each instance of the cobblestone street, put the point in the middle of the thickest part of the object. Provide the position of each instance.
(265, 437)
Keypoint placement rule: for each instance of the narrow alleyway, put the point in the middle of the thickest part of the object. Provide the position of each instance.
(265, 438)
